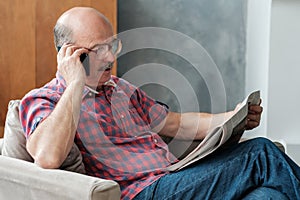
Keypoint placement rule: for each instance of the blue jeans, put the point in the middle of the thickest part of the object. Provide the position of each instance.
(254, 169)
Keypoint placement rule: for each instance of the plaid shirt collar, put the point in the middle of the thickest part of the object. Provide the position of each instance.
(87, 89)
(107, 83)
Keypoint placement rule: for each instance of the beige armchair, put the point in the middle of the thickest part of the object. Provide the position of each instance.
(22, 179)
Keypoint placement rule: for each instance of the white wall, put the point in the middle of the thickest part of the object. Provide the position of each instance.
(284, 82)
(273, 48)
(257, 56)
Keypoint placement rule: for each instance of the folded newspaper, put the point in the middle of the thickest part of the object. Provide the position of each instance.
(218, 136)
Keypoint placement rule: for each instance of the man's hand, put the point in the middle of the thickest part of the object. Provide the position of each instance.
(69, 64)
(254, 116)
(252, 121)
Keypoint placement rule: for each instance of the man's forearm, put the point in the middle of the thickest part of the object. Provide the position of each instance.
(52, 140)
(192, 126)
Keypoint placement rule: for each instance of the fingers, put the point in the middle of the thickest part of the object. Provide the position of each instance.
(251, 124)
(69, 65)
(71, 49)
(254, 116)
(62, 51)
(77, 52)
(253, 120)
(69, 55)
(255, 109)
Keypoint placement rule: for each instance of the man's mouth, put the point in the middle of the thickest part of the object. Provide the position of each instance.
(106, 67)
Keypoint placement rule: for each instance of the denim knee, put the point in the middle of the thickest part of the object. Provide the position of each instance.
(262, 143)
(261, 140)
(264, 193)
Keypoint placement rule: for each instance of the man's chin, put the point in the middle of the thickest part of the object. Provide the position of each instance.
(96, 81)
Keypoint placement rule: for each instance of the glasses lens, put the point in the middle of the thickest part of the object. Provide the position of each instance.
(115, 46)
(102, 50)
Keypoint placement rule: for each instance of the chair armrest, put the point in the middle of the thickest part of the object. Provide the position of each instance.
(21, 179)
(1, 145)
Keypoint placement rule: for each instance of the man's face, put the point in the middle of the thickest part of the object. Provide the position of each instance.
(101, 60)
(98, 39)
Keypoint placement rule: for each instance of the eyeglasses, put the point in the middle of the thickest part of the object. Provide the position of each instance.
(102, 50)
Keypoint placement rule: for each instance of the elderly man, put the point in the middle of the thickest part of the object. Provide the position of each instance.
(116, 127)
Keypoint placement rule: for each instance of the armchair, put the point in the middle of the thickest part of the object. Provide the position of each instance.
(20, 178)
(1, 145)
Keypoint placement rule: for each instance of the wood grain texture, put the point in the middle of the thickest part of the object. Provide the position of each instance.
(17, 54)
(27, 55)
(1, 131)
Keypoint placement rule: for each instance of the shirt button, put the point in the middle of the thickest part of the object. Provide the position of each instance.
(122, 116)
(155, 140)
(90, 94)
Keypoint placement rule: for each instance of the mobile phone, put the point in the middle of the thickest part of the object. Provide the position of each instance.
(84, 58)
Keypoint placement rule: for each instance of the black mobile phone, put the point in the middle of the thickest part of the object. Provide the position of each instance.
(84, 58)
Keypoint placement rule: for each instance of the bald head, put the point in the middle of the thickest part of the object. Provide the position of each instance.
(81, 25)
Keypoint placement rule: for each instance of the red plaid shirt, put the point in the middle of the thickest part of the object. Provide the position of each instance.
(114, 131)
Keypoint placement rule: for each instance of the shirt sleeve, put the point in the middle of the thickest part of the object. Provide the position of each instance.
(34, 108)
(155, 111)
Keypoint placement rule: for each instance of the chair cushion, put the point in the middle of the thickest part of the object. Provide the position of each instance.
(14, 144)
(24, 180)
(1, 145)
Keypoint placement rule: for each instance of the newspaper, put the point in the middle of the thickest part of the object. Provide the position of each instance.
(218, 136)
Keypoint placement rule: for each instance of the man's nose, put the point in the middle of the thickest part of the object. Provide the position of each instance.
(110, 57)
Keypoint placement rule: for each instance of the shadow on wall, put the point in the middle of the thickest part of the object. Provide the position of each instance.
(219, 26)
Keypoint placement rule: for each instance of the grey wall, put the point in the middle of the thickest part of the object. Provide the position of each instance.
(218, 25)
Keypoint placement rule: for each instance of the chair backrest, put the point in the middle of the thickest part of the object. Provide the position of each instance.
(1, 145)
(14, 142)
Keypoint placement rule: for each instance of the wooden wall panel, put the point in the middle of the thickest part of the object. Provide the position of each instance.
(17, 54)
(1, 131)
(27, 53)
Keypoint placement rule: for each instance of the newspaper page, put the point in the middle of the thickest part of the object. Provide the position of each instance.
(218, 136)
